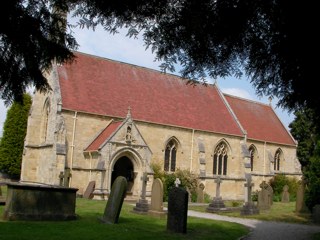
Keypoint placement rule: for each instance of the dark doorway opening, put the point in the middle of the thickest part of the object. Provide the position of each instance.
(123, 167)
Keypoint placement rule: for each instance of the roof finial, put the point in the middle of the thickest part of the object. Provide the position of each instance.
(270, 100)
(129, 112)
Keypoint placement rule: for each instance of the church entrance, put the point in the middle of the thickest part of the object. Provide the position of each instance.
(123, 167)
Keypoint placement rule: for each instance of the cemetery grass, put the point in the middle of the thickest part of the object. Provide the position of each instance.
(282, 212)
(130, 226)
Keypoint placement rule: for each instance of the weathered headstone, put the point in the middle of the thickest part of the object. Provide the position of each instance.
(177, 210)
(217, 203)
(115, 201)
(300, 201)
(249, 208)
(2, 199)
(156, 207)
(316, 213)
(89, 191)
(285, 196)
(142, 205)
(200, 193)
(265, 196)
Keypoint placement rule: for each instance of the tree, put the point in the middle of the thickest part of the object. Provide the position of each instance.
(31, 37)
(304, 130)
(268, 40)
(264, 39)
(11, 145)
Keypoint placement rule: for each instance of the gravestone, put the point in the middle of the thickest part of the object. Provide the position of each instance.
(200, 193)
(156, 207)
(316, 213)
(142, 205)
(300, 200)
(265, 196)
(2, 199)
(249, 208)
(285, 196)
(217, 203)
(89, 191)
(177, 210)
(115, 201)
(64, 178)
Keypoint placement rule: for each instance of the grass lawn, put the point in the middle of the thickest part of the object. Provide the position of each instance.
(130, 226)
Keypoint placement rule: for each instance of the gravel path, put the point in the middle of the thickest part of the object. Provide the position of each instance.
(265, 230)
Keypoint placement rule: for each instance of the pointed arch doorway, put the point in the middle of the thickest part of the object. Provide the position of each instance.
(123, 167)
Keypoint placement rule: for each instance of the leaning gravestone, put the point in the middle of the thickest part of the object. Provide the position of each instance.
(177, 210)
(285, 196)
(89, 191)
(115, 201)
(156, 208)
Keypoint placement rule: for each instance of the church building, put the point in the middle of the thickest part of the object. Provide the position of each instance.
(105, 118)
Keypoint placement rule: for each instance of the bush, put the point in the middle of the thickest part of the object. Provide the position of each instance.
(278, 182)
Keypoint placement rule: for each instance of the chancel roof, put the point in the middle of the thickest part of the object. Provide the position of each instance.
(102, 86)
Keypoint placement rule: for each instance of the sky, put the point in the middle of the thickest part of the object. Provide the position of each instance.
(121, 48)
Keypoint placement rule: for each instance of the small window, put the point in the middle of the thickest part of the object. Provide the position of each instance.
(277, 159)
(252, 152)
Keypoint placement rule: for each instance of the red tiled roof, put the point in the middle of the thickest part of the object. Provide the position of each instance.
(102, 137)
(259, 120)
(101, 86)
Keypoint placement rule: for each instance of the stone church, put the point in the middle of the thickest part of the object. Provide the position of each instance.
(105, 118)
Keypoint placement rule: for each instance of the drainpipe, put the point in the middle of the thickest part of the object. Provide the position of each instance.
(191, 155)
(264, 160)
(90, 172)
(72, 144)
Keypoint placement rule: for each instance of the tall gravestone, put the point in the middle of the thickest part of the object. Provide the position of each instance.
(200, 193)
(2, 200)
(300, 201)
(249, 208)
(177, 210)
(142, 205)
(217, 203)
(115, 201)
(285, 196)
(156, 207)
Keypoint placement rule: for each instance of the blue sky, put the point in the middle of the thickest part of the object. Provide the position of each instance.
(129, 50)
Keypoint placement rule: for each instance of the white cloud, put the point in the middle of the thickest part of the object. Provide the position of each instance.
(237, 92)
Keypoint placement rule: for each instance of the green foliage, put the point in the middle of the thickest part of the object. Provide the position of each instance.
(278, 182)
(207, 38)
(11, 145)
(303, 129)
(313, 182)
(32, 36)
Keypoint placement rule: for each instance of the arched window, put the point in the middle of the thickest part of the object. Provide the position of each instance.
(253, 153)
(170, 156)
(44, 121)
(220, 159)
(277, 159)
